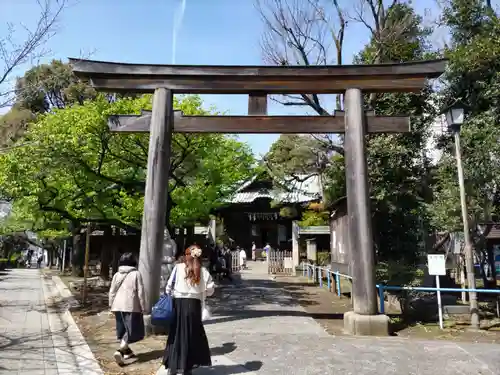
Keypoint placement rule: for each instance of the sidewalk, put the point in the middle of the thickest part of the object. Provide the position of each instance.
(260, 329)
(36, 338)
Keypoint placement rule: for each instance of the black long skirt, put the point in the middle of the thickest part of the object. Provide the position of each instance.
(129, 326)
(187, 343)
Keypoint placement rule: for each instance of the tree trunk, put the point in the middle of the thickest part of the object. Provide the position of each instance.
(50, 255)
(106, 252)
(115, 250)
(78, 254)
(180, 239)
(189, 236)
(492, 282)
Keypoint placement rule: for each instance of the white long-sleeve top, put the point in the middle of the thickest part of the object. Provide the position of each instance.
(184, 289)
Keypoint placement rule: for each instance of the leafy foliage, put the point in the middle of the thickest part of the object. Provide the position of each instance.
(51, 86)
(294, 154)
(72, 168)
(472, 80)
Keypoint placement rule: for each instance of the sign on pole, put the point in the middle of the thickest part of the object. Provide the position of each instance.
(437, 267)
(436, 264)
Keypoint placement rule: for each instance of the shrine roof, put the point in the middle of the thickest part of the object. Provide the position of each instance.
(301, 189)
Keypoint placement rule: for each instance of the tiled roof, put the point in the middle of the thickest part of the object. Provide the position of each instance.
(295, 191)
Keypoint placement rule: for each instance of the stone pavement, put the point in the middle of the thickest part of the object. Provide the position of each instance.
(257, 328)
(36, 336)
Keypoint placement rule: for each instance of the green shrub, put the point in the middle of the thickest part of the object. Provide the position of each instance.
(323, 258)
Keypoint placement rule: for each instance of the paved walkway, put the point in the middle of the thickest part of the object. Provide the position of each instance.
(259, 329)
(35, 337)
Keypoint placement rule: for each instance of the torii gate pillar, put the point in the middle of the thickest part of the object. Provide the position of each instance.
(364, 319)
(155, 195)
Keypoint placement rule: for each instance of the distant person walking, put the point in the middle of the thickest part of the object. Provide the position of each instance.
(254, 251)
(243, 259)
(267, 250)
(127, 302)
(39, 261)
(187, 344)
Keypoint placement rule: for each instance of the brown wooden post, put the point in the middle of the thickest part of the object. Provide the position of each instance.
(155, 197)
(364, 319)
(358, 206)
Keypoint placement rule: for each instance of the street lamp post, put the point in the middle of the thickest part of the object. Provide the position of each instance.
(455, 119)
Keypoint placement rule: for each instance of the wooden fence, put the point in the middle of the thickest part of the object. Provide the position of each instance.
(235, 261)
(280, 262)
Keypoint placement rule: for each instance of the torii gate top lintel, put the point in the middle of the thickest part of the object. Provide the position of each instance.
(206, 79)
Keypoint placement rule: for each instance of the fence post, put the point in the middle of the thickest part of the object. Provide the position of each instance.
(320, 277)
(314, 273)
(328, 279)
(381, 297)
(337, 282)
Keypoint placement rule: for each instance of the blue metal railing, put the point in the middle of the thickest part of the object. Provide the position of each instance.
(382, 288)
(316, 272)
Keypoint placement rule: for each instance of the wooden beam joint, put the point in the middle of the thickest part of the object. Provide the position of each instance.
(257, 104)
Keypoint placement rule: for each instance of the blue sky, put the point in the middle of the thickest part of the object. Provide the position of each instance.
(225, 32)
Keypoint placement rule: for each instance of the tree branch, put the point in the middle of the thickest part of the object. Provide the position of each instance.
(13, 54)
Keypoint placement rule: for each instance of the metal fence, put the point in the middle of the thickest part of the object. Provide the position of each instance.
(280, 262)
(319, 274)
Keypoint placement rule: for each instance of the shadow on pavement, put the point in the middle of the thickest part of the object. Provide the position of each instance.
(149, 356)
(224, 349)
(229, 369)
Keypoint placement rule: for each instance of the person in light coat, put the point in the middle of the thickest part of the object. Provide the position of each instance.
(243, 259)
(127, 303)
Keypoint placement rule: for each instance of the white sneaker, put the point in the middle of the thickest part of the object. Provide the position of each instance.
(128, 353)
(118, 356)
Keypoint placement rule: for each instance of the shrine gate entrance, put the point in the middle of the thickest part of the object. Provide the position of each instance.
(259, 82)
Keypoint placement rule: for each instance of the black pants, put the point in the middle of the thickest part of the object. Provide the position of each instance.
(129, 326)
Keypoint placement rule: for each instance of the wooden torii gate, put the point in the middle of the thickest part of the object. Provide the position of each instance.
(259, 82)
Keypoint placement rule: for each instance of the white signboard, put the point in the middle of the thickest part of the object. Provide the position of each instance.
(288, 263)
(436, 264)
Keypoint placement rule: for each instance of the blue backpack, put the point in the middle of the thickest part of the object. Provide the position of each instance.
(163, 310)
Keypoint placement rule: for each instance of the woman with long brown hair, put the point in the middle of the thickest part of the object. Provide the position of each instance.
(187, 344)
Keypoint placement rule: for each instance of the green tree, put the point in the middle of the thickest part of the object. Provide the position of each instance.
(472, 79)
(74, 167)
(51, 86)
(398, 170)
(13, 125)
(41, 89)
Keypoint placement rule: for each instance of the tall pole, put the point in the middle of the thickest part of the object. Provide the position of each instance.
(359, 207)
(64, 257)
(86, 264)
(469, 258)
(155, 196)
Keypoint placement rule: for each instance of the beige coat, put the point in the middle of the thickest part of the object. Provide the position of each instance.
(127, 291)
